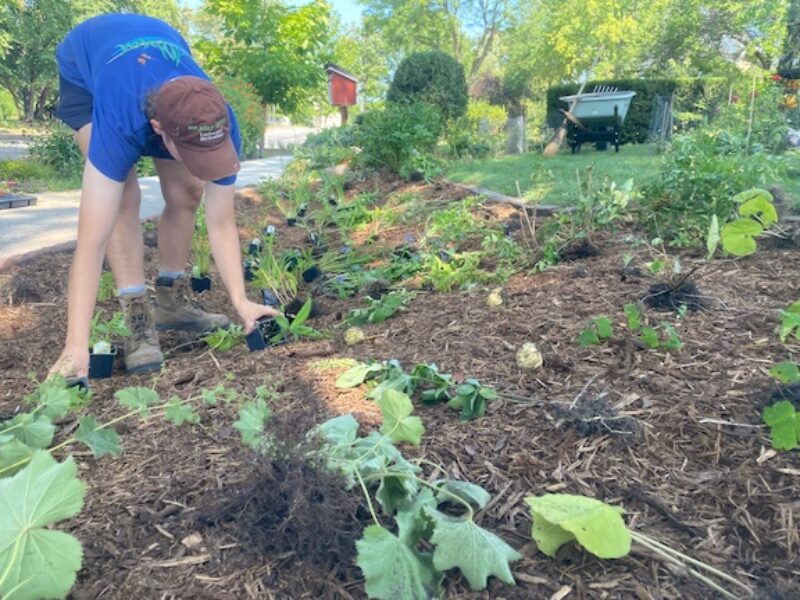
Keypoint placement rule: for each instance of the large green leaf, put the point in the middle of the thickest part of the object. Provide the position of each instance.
(598, 527)
(786, 372)
(391, 569)
(397, 424)
(394, 491)
(412, 520)
(738, 237)
(758, 203)
(339, 430)
(356, 375)
(36, 431)
(138, 399)
(469, 492)
(712, 239)
(100, 440)
(53, 397)
(784, 424)
(35, 561)
(13, 452)
(178, 412)
(250, 423)
(476, 552)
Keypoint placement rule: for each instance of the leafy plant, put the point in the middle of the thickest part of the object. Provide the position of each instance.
(296, 328)
(107, 289)
(470, 397)
(101, 331)
(668, 339)
(381, 309)
(599, 528)
(432, 77)
(599, 329)
(224, 339)
(784, 424)
(393, 564)
(201, 248)
(273, 273)
(790, 322)
(756, 214)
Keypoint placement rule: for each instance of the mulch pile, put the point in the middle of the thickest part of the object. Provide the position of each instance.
(674, 438)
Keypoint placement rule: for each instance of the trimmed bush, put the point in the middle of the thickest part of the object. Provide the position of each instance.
(59, 151)
(694, 100)
(432, 77)
(328, 147)
(480, 132)
(389, 138)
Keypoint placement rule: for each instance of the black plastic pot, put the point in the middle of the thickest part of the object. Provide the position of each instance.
(301, 212)
(254, 249)
(200, 284)
(269, 230)
(311, 273)
(248, 270)
(268, 298)
(291, 221)
(258, 339)
(332, 201)
(294, 307)
(290, 261)
(101, 365)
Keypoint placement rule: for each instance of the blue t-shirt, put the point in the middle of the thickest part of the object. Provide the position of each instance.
(120, 59)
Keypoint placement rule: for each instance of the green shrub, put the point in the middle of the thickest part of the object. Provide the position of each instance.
(704, 169)
(694, 99)
(249, 112)
(59, 151)
(390, 137)
(328, 147)
(479, 132)
(23, 170)
(433, 77)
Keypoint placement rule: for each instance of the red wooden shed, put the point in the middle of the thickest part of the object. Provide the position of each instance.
(342, 88)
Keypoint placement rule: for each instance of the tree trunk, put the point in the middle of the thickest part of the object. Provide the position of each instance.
(40, 112)
(29, 104)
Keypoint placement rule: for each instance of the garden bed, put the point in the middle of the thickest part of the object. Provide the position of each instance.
(692, 467)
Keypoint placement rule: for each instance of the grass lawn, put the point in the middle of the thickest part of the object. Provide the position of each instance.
(555, 180)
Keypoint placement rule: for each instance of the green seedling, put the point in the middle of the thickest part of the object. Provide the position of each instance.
(107, 289)
(599, 329)
(224, 339)
(201, 248)
(101, 331)
(784, 425)
(380, 310)
(650, 336)
(790, 322)
(296, 329)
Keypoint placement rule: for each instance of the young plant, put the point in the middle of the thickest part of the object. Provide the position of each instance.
(296, 328)
(392, 563)
(600, 529)
(102, 330)
(600, 328)
(757, 214)
(274, 275)
(108, 288)
(650, 336)
(201, 248)
(790, 322)
(784, 425)
(224, 339)
(380, 310)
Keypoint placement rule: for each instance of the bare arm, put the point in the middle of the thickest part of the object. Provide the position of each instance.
(100, 200)
(225, 244)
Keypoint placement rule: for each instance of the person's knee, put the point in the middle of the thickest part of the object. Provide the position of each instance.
(185, 195)
(131, 194)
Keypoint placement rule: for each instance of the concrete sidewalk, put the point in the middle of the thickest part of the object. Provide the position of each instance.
(53, 223)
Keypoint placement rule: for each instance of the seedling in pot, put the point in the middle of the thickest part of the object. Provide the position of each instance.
(269, 230)
(258, 339)
(268, 298)
(101, 352)
(201, 255)
(254, 249)
(249, 265)
(311, 273)
(296, 328)
(274, 278)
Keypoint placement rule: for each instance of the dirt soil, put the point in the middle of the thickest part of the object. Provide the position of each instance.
(674, 438)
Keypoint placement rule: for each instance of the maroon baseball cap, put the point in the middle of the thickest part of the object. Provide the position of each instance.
(194, 116)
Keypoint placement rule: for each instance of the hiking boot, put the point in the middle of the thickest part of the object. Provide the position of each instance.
(174, 309)
(142, 350)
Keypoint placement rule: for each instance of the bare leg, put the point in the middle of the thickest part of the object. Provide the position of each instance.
(182, 194)
(125, 250)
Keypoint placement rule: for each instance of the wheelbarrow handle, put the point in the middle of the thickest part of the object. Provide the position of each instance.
(573, 119)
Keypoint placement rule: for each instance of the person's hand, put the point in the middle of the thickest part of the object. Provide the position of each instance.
(73, 363)
(250, 312)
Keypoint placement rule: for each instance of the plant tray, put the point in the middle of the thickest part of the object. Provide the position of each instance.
(16, 201)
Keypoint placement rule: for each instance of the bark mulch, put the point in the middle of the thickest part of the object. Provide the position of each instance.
(673, 437)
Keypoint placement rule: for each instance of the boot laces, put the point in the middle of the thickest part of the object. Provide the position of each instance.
(140, 320)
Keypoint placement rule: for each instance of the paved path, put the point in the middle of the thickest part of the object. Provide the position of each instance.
(53, 222)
